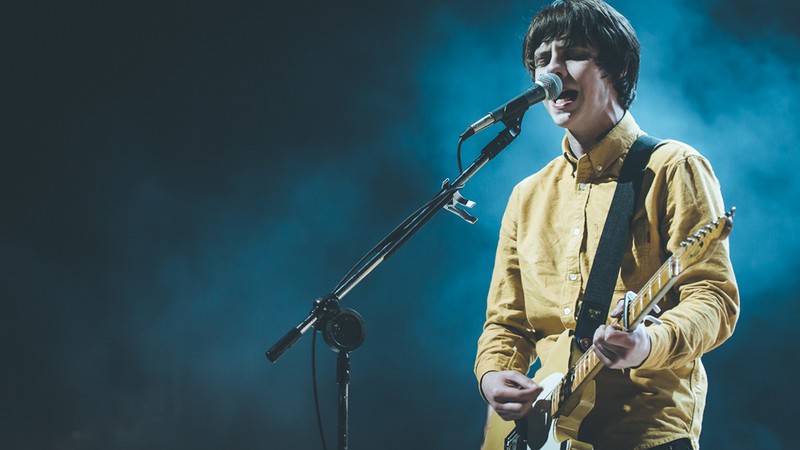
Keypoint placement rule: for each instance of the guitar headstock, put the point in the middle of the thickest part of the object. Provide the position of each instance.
(695, 245)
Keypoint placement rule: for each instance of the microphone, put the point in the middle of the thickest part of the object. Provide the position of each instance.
(547, 86)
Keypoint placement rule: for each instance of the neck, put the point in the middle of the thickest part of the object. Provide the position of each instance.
(580, 146)
(582, 142)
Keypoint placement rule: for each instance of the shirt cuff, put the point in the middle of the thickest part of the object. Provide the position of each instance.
(659, 346)
(480, 382)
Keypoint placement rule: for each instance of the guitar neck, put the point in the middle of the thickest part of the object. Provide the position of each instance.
(588, 365)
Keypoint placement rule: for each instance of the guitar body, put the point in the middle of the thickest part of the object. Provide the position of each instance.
(543, 432)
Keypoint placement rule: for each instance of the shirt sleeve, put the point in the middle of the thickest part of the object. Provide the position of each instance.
(708, 305)
(507, 342)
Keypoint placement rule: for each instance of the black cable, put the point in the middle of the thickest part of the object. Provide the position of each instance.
(401, 233)
(314, 382)
(458, 155)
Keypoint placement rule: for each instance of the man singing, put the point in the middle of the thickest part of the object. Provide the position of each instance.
(549, 238)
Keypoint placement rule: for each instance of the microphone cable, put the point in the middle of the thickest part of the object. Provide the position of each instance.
(314, 383)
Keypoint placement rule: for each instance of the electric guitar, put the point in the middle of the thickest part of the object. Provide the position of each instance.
(566, 399)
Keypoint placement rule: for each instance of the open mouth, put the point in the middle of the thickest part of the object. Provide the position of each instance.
(567, 96)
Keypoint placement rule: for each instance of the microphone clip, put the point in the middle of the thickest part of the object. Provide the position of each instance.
(455, 201)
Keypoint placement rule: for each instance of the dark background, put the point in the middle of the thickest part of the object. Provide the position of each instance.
(180, 180)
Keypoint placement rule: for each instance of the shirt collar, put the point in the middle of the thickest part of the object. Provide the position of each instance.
(612, 148)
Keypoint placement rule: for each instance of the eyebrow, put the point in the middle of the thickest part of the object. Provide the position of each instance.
(569, 50)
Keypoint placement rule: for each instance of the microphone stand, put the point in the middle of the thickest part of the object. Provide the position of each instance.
(344, 328)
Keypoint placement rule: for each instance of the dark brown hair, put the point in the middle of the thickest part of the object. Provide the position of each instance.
(595, 24)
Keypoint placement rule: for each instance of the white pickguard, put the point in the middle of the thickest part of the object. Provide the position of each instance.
(540, 424)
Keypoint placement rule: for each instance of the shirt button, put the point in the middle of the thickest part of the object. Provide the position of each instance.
(582, 186)
(567, 310)
(599, 168)
(576, 231)
(573, 276)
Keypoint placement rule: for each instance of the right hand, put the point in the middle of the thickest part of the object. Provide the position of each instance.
(509, 393)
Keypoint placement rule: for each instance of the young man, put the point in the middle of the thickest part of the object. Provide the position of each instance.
(549, 237)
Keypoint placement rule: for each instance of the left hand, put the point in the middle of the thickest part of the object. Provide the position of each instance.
(619, 349)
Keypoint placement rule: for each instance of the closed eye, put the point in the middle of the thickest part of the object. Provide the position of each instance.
(578, 54)
(541, 59)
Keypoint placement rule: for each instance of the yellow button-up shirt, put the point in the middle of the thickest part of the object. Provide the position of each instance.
(548, 239)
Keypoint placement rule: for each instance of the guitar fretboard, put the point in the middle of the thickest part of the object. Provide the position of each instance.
(587, 366)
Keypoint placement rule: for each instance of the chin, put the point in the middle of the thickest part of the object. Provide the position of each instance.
(561, 119)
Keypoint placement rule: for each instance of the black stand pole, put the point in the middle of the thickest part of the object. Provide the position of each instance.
(343, 331)
(343, 379)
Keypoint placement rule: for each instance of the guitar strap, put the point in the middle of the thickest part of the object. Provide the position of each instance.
(608, 259)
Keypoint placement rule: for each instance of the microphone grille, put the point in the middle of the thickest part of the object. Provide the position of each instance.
(551, 84)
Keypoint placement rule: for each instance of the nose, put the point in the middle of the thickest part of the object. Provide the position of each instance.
(556, 66)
